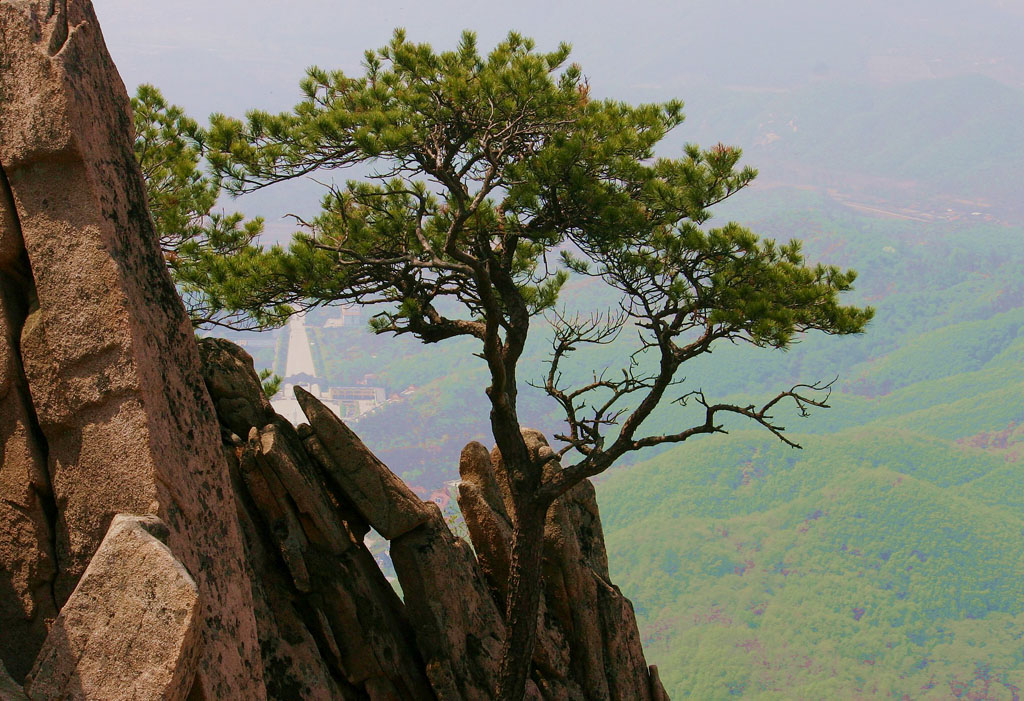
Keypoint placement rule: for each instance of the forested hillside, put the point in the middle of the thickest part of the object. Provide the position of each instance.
(884, 559)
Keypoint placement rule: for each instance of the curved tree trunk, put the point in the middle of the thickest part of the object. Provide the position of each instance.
(525, 587)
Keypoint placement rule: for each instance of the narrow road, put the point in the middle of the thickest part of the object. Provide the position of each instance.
(300, 357)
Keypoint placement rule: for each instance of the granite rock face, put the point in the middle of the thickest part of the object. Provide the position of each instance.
(104, 405)
(163, 533)
(326, 616)
(329, 623)
(589, 646)
(380, 497)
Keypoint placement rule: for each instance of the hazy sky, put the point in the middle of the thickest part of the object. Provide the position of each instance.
(233, 55)
(229, 55)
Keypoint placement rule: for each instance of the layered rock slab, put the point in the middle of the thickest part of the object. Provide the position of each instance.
(381, 498)
(27, 564)
(132, 627)
(106, 347)
(458, 627)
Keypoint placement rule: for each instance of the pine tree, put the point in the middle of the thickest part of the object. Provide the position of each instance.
(495, 177)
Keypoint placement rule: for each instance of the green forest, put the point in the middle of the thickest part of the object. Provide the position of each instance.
(883, 560)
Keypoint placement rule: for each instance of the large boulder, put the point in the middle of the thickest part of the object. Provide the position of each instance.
(228, 371)
(132, 628)
(355, 613)
(118, 410)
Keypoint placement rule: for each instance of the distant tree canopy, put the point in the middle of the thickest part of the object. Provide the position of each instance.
(493, 178)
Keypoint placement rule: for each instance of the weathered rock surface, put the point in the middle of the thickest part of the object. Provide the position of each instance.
(27, 564)
(483, 510)
(589, 646)
(259, 584)
(658, 692)
(118, 413)
(330, 625)
(132, 627)
(293, 666)
(457, 624)
(239, 403)
(380, 497)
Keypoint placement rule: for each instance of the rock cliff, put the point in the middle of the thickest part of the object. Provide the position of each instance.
(164, 534)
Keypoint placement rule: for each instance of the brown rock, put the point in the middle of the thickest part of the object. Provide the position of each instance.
(324, 463)
(538, 450)
(272, 502)
(658, 692)
(588, 641)
(108, 352)
(375, 643)
(571, 595)
(380, 497)
(234, 386)
(281, 451)
(586, 520)
(11, 245)
(27, 565)
(482, 499)
(132, 627)
(486, 519)
(458, 627)
(293, 667)
(332, 612)
(625, 667)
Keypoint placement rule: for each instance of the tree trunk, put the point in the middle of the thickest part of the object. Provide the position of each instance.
(525, 586)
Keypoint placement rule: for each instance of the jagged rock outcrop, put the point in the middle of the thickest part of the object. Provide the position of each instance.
(457, 624)
(131, 629)
(451, 621)
(327, 617)
(380, 497)
(243, 572)
(115, 418)
(27, 563)
(589, 646)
